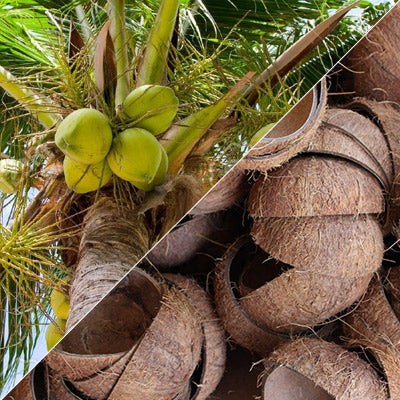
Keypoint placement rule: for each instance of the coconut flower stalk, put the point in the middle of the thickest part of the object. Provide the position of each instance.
(118, 222)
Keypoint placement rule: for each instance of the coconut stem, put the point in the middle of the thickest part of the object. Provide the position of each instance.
(33, 102)
(155, 57)
(118, 33)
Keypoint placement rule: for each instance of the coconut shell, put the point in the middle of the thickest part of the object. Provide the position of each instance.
(347, 134)
(290, 135)
(214, 352)
(375, 60)
(186, 240)
(167, 354)
(336, 374)
(297, 300)
(375, 325)
(315, 186)
(227, 192)
(387, 117)
(243, 329)
(22, 391)
(337, 246)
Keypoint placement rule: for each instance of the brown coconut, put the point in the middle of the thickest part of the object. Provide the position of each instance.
(314, 369)
(227, 192)
(22, 391)
(375, 60)
(315, 186)
(347, 134)
(375, 325)
(290, 135)
(153, 322)
(214, 348)
(339, 246)
(189, 238)
(387, 117)
(297, 300)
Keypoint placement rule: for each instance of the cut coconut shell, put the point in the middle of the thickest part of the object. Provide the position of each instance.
(227, 192)
(156, 341)
(297, 300)
(376, 62)
(166, 356)
(350, 135)
(214, 351)
(236, 321)
(315, 186)
(329, 372)
(290, 135)
(188, 239)
(339, 246)
(375, 325)
(387, 117)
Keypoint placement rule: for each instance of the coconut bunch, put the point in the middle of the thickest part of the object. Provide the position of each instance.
(94, 151)
(375, 326)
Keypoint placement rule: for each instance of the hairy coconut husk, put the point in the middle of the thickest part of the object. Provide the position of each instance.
(162, 343)
(243, 329)
(315, 186)
(387, 117)
(375, 325)
(167, 354)
(375, 60)
(290, 135)
(214, 352)
(297, 300)
(227, 192)
(190, 237)
(339, 246)
(22, 391)
(347, 134)
(335, 373)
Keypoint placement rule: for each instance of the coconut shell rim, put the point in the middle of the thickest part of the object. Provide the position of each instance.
(319, 95)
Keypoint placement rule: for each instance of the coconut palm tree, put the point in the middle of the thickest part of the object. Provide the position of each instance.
(60, 58)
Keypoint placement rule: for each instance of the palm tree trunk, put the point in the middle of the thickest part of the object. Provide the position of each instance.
(114, 238)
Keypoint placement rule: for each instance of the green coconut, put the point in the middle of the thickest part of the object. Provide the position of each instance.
(10, 175)
(160, 176)
(152, 106)
(85, 136)
(83, 178)
(136, 157)
(60, 304)
(55, 332)
(260, 134)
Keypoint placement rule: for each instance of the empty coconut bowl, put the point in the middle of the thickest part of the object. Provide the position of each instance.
(314, 369)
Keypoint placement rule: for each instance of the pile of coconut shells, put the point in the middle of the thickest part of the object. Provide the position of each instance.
(282, 283)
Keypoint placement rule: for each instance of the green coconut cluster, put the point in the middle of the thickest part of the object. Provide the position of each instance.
(93, 153)
(10, 175)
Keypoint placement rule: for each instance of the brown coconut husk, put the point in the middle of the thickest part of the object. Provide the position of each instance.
(214, 348)
(329, 371)
(339, 246)
(347, 134)
(290, 135)
(165, 328)
(297, 300)
(22, 391)
(243, 329)
(187, 239)
(387, 117)
(315, 186)
(376, 326)
(227, 192)
(375, 60)
(167, 354)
